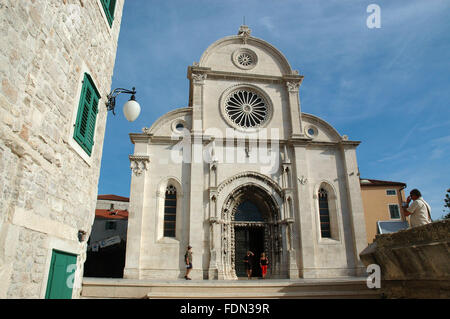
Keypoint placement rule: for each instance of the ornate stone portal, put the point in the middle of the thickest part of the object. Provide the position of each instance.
(273, 241)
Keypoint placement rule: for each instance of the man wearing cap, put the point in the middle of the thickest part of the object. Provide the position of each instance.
(188, 260)
(419, 210)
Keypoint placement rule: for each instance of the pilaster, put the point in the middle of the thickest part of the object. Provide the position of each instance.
(304, 214)
(197, 76)
(293, 86)
(356, 210)
(196, 207)
(139, 169)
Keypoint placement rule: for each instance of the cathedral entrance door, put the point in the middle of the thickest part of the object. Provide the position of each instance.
(248, 238)
(250, 222)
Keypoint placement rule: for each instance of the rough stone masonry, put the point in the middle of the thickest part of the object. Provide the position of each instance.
(48, 186)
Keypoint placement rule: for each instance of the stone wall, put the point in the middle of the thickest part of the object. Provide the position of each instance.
(48, 186)
(415, 263)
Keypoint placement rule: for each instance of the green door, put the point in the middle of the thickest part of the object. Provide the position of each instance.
(60, 276)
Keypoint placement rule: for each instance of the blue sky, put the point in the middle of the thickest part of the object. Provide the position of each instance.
(387, 87)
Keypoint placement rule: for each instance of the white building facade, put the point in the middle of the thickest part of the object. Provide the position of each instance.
(243, 168)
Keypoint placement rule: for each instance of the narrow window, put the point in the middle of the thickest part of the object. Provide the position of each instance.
(87, 115)
(394, 211)
(109, 6)
(170, 211)
(324, 214)
(110, 225)
(391, 192)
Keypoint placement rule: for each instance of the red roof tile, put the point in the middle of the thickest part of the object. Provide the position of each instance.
(375, 182)
(115, 214)
(113, 197)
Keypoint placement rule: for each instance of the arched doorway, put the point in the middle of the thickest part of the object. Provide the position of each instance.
(251, 222)
(249, 236)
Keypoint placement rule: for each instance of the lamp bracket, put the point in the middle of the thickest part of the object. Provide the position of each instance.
(111, 102)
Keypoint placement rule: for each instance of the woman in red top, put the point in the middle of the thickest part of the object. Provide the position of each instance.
(263, 262)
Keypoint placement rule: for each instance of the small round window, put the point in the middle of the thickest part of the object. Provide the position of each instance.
(245, 58)
(311, 131)
(179, 126)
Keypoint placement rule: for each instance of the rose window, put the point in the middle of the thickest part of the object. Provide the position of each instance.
(246, 109)
(245, 59)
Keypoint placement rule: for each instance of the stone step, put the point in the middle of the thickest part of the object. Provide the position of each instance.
(303, 288)
(273, 295)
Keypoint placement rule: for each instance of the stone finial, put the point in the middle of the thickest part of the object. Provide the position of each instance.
(244, 32)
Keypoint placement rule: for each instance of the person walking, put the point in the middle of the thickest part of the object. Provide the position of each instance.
(419, 210)
(248, 260)
(263, 262)
(188, 261)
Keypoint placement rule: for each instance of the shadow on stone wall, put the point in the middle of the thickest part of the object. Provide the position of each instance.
(415, 263)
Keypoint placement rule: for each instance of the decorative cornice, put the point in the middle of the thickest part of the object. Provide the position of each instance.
(139, 137)
(139, 163)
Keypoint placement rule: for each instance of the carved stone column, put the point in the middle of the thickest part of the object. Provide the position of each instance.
(292, 268)
(215, 270)
(293, 86)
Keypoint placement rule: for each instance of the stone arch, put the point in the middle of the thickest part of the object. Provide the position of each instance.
(252, 42)
(326, 130)
(251, 176)
(157, 128)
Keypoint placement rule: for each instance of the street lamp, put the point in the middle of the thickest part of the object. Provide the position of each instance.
(131, 109)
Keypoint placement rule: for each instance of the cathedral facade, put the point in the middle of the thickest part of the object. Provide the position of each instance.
(242, 168)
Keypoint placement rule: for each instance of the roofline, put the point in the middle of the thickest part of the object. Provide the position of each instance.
(117, 198)
(381, 183)
(286, 68)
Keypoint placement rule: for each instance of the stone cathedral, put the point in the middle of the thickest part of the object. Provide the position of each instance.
(242, 168)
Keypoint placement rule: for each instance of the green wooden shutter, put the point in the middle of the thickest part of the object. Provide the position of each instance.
(109, 6)
(59, 283)
(112, 7)
(87, 115)
(91, 124)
